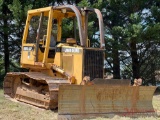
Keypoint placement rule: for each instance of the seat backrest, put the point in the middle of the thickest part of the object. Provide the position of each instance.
(53, 41)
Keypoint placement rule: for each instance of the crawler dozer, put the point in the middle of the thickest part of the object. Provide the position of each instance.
(67, 71)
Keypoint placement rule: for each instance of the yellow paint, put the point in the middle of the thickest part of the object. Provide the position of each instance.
(44, 64)
(26, 29)
(48, 36)
(78, 67)
(35, 11)
(27, 57)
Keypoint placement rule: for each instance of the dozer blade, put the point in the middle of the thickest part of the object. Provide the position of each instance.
(117, 82)
(83, 100)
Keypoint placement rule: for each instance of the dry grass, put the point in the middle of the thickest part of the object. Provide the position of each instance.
(10, 110)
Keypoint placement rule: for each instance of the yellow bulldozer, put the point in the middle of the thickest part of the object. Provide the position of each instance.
(65, 71)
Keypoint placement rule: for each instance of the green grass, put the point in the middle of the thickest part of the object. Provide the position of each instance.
(10, 110)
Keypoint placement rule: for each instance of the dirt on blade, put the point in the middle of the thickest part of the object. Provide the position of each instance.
(10, 110)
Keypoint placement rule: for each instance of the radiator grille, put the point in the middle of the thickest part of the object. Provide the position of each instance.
(93, 63)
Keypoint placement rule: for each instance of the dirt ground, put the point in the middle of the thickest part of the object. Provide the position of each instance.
(10, 110)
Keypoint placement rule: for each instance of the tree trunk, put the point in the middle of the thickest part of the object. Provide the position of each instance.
(6, 52)
(5, 43)
(135, 62)
(116, 64)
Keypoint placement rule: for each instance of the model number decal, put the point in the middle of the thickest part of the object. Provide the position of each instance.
(27, 48)
(71, 50)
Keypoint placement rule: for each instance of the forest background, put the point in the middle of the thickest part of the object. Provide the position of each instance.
(132, 34)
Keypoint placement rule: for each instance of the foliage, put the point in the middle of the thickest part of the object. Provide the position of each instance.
(132, 30)
(131, 34)
(19, 10)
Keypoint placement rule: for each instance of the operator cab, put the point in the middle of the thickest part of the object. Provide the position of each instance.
(49, 28)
